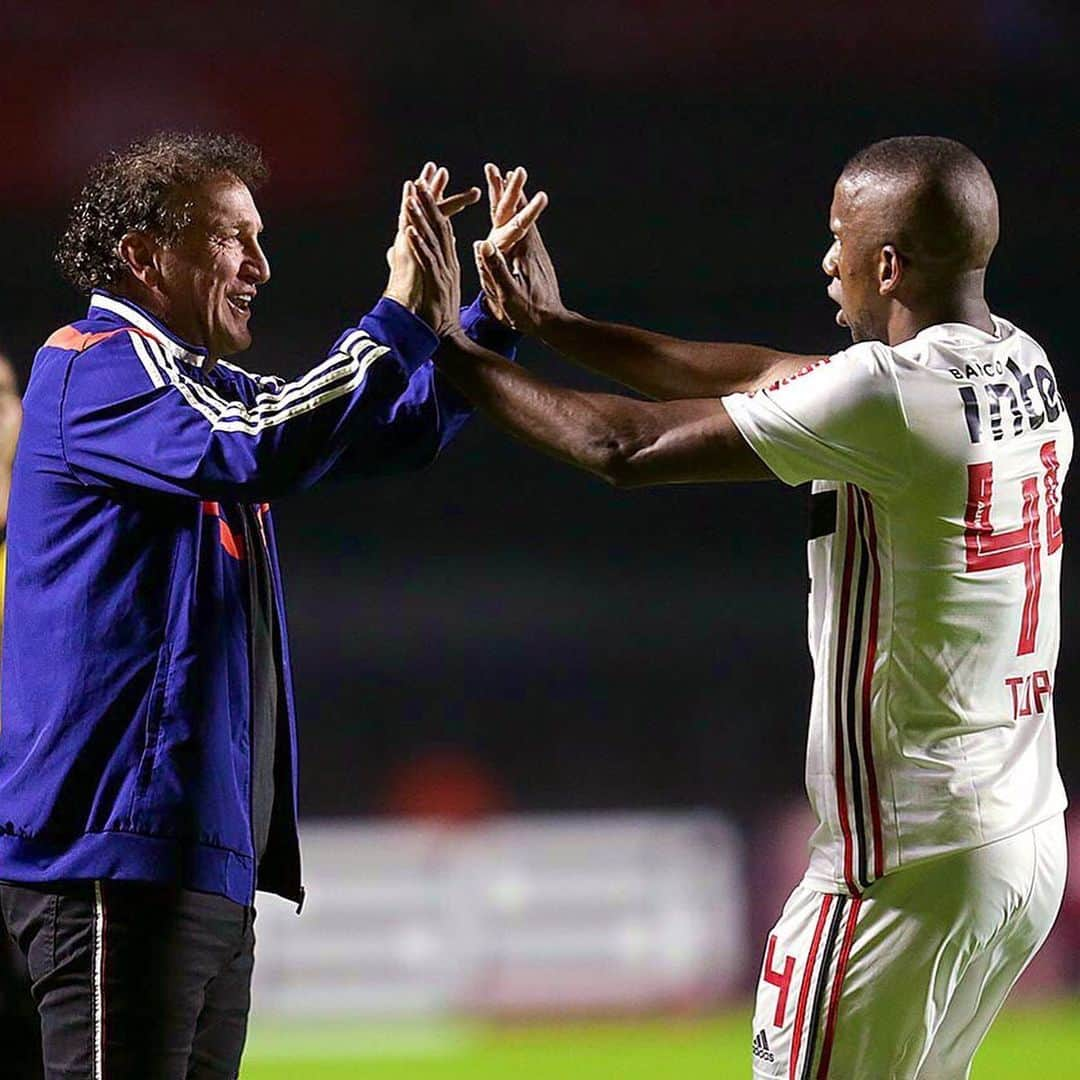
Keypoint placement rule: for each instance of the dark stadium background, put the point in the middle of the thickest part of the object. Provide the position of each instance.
(501, 631)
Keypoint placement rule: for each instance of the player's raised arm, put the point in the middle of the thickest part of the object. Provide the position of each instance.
(654, 364)
(624, 441)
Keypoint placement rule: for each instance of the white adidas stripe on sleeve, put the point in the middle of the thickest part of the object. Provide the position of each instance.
(339, 374)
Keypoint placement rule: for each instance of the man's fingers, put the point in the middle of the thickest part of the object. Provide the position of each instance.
(493, 263)
(511, 195)
(406, 191)
(420, 221)
(454, 204)
(495, 188)
(496, 296)
(487, 282)
(525, 218)
(506, 236)
(421, 250)
(439, 182)
(439, 222)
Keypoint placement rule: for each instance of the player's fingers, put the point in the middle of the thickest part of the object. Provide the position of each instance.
(487, 282)
(454, 204)
(421, 250)
(406, 191)
(511, 194)
(440, 223)
(419, 223)
(526, 217)
(436, 230)
(494, 186)
(427, 172)
(514, 230)
(439, 181)
(491, 258)
(515, 186)
(420, 216)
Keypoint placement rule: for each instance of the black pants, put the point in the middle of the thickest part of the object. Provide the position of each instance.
(135, 981)
(20, 1029)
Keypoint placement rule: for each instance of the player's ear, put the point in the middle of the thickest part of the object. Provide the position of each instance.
(890, 270)
(138, 251)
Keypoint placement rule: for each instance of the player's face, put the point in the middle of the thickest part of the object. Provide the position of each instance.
(211, 273)
(852, 265)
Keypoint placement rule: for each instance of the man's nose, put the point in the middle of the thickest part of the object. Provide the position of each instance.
(831, 260)
(258, 265)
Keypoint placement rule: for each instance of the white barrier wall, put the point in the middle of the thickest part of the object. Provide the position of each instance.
(563, 914)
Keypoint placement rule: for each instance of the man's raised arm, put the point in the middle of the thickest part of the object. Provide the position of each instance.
(656, 365)
(625, 441)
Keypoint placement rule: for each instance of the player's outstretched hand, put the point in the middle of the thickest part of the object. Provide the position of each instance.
(405, 284)
(526, 291)
(431, 242)
(512, 215)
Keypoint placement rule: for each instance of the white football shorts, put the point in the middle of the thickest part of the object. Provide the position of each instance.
(903, 982)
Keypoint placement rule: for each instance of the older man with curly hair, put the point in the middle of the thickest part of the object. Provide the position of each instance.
(148, 754)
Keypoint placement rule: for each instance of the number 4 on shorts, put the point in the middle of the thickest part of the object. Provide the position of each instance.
(779, 979)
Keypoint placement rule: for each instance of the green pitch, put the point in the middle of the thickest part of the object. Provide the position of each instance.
(1025, 1042)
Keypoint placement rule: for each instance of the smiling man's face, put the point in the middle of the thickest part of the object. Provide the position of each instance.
(211, 272)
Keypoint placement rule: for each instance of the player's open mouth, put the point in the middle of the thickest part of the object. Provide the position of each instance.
(241, 302)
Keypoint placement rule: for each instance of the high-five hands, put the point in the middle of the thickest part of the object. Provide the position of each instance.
(430, 237)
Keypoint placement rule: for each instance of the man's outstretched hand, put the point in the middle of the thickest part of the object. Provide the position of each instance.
(405, 285)
(527, 294)
(432, 247)
(513, 220)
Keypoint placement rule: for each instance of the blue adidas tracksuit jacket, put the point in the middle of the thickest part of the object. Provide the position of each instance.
(126, 713)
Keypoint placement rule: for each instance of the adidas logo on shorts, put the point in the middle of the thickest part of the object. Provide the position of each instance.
(761, 1047)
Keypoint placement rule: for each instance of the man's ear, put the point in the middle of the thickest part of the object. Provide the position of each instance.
(890, 270)
(139, 252)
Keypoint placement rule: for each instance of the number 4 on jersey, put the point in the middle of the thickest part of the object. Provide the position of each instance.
(988, 550)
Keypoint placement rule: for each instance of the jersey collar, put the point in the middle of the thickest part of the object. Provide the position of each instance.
(129, 312)
(963, 333)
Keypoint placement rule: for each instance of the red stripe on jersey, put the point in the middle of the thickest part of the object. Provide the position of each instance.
(804, 988)
(233, 543)
(868, 675)
(67, 337)
(838, 982)
(838, 704)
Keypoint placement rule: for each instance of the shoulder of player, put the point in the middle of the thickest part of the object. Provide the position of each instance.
(1021, 334)
(110, 356)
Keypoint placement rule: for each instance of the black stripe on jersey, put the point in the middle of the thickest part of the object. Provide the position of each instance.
(858, 634)
(819, 986)
(822, 515)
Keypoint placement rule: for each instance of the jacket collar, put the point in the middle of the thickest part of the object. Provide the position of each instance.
(116, 309)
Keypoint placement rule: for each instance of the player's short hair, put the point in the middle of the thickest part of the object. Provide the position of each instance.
(143, 188)
(916, 156)
(950, 208)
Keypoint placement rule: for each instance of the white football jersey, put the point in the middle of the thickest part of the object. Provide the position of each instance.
(935, 564)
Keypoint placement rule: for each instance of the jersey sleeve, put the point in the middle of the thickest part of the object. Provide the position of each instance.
(133, 416)
(483, 328)
(430, 412)
(840, 419)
